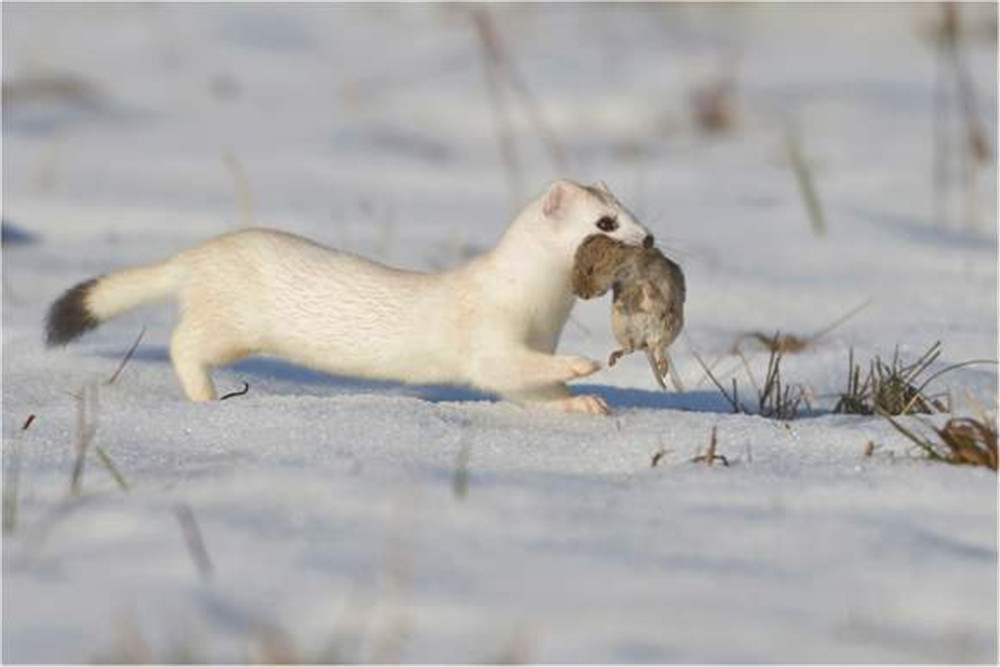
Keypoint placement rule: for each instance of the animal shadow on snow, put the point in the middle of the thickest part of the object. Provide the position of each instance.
(270, 374)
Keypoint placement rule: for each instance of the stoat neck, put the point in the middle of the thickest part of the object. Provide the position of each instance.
(523, 258)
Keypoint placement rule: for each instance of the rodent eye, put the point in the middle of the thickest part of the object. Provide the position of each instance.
(607, 224)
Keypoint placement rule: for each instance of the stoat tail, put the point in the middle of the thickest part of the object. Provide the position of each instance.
(88, 304)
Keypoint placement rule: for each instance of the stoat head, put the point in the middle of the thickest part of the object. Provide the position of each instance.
(572, 212)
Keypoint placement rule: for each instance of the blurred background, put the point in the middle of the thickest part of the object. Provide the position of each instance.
(795, 159)
(295, 113)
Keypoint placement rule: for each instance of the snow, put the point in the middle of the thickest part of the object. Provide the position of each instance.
(332, 509)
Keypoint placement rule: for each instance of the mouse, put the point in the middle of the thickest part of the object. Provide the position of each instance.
(649, 291)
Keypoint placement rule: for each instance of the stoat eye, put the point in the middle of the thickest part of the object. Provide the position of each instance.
(607, 224)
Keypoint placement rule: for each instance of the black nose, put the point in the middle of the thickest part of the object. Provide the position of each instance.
(648, 241)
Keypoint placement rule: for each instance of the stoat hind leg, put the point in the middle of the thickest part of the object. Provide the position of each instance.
(195, 351)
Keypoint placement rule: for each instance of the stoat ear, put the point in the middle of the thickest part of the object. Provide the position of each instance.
(554, 200)
(603, 187)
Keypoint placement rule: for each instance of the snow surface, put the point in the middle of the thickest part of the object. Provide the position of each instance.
(335, 522)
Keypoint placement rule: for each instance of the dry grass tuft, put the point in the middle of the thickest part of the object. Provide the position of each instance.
(790, 342)
(782, 343)
(961, 441)
(895, 388)
(710, 456)
(775, 399)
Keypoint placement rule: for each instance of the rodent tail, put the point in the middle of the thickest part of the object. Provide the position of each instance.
(656, 369)
(85, 306)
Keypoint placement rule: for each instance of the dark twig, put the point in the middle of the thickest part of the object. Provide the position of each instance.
(126, 358)
(238, 392)
(657, 457)
(733, 400)
(11, 478)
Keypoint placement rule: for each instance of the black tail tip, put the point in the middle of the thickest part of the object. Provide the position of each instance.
(68, 317)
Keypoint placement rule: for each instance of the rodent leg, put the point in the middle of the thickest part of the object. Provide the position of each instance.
(662, 361)
(657, 365)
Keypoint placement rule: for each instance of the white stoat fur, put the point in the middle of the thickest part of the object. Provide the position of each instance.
(492, 323)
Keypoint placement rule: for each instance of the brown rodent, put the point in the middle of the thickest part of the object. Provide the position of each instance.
(647, 311)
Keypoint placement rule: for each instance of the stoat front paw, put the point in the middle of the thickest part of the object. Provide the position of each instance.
(579, 367)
